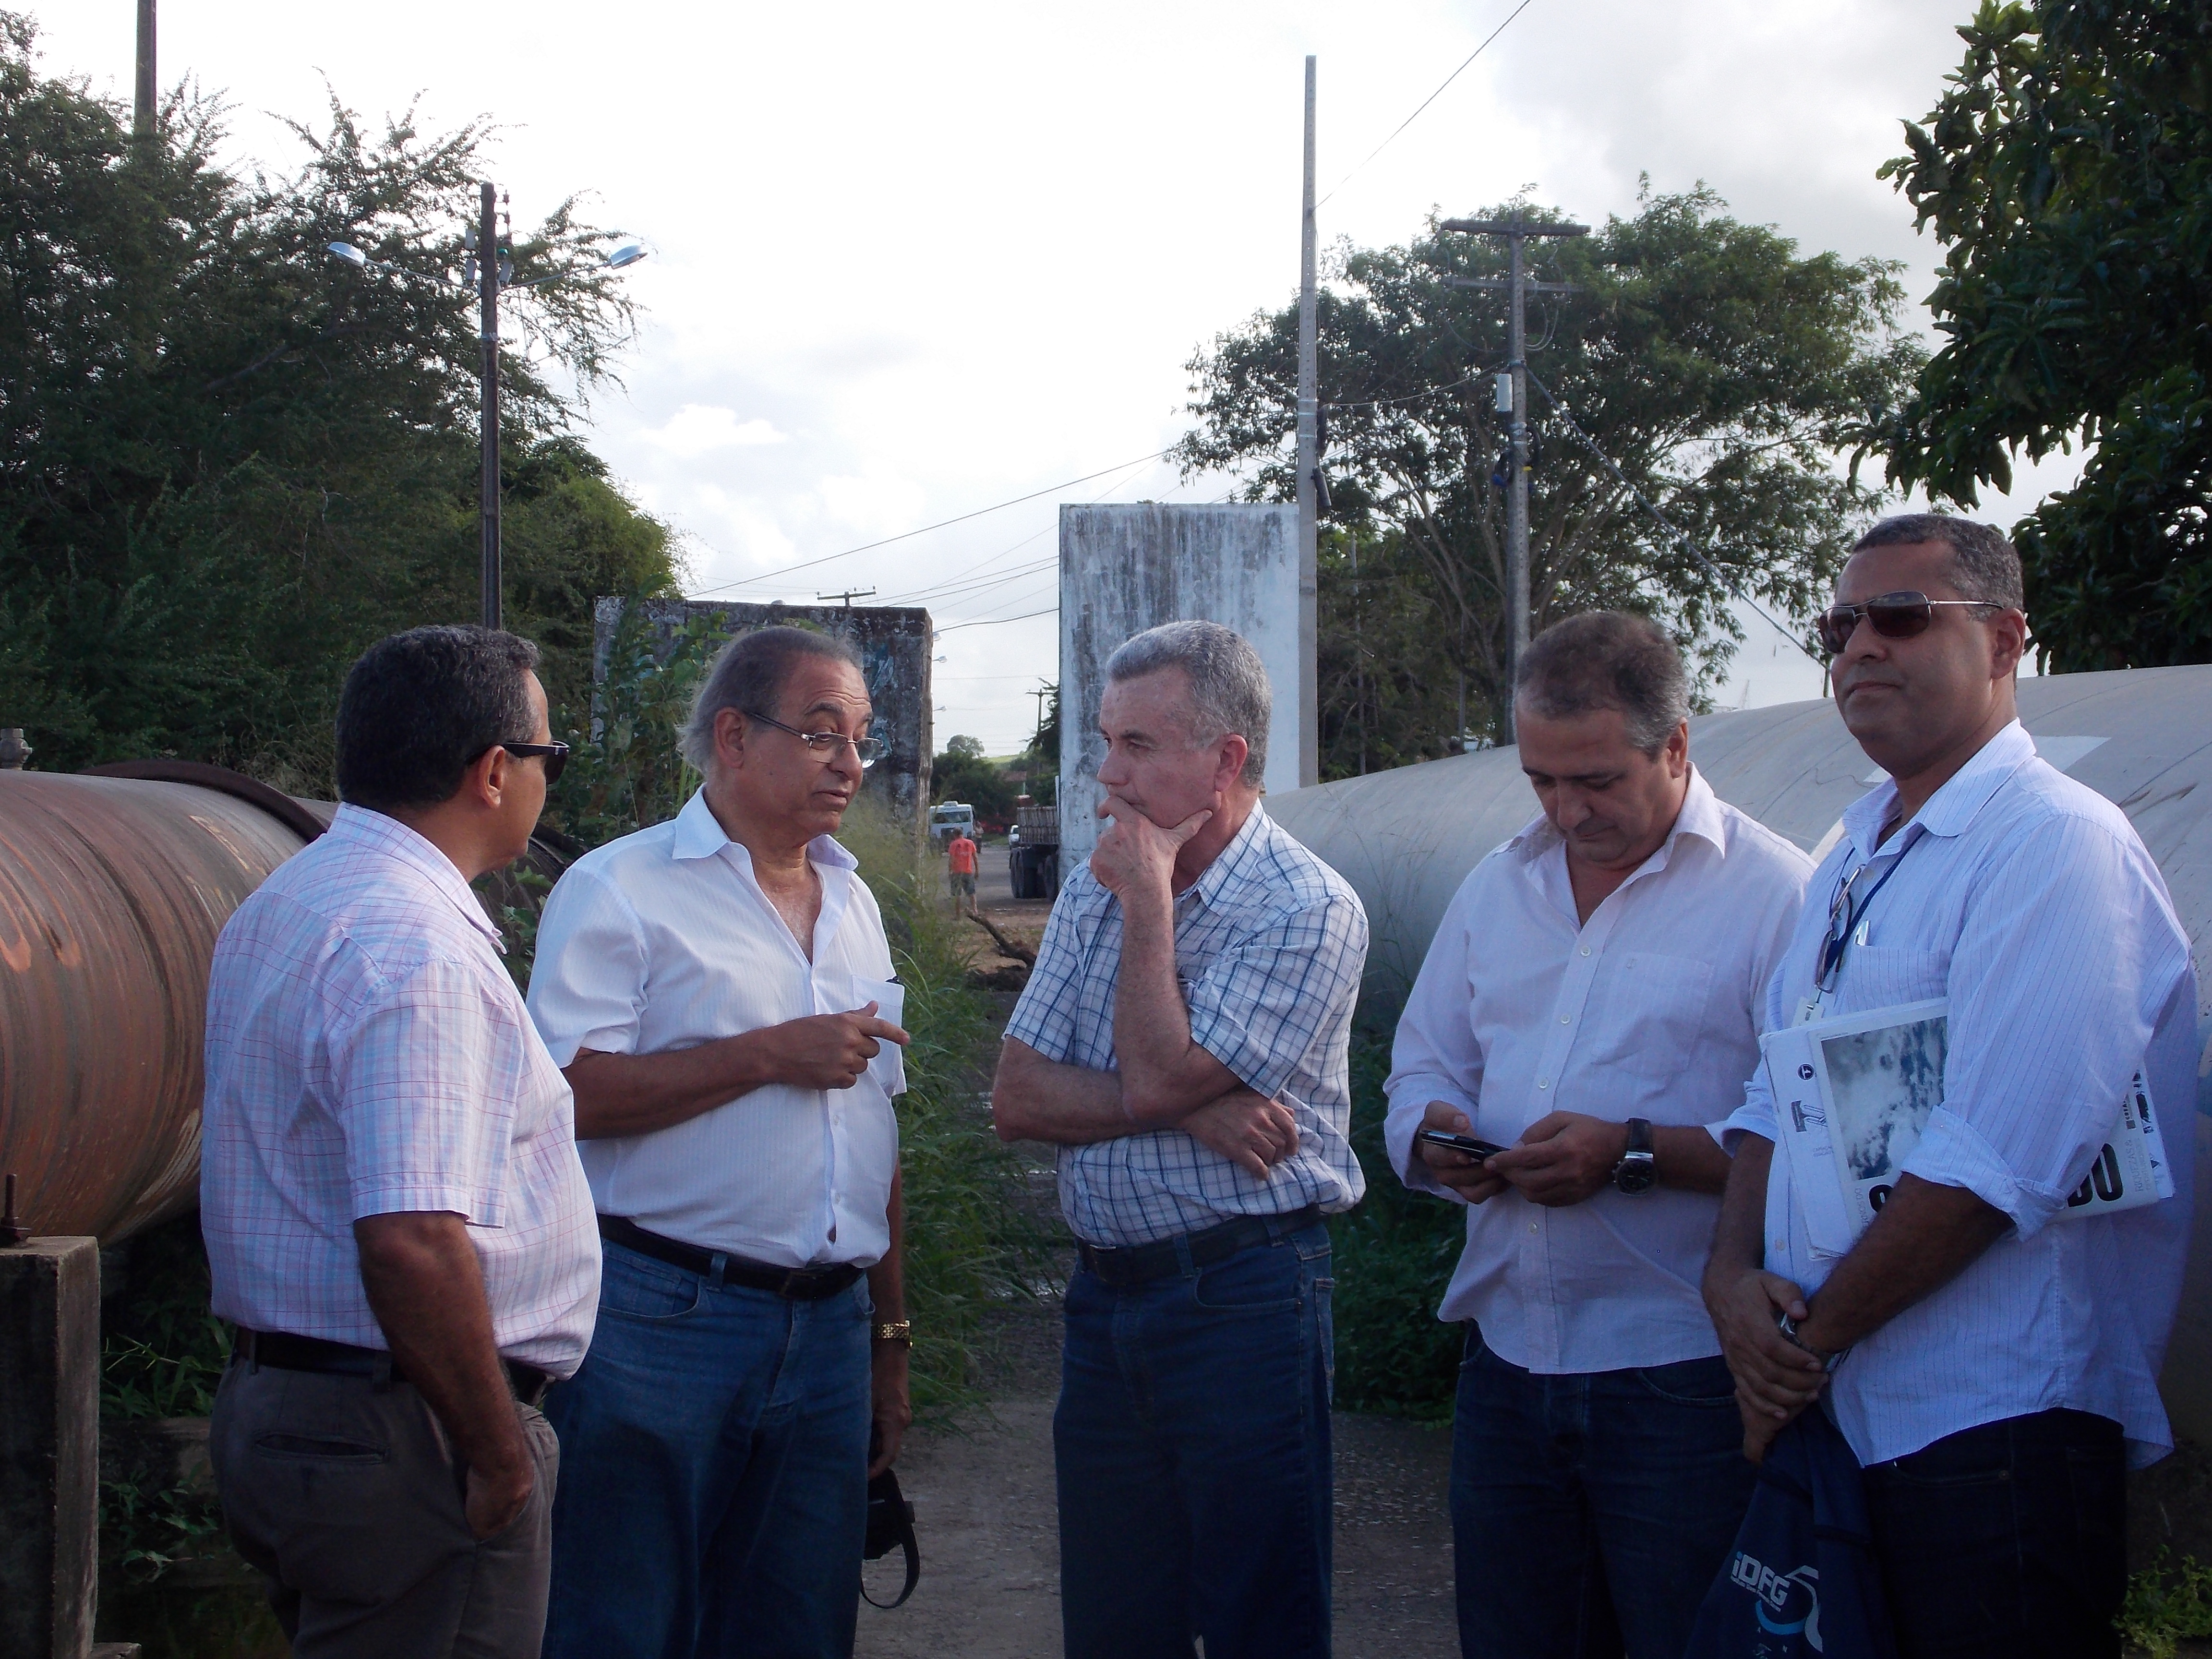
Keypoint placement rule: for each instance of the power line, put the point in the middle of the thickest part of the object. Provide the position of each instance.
(993, 621)
(1428, 100)
(1644, 502)
(907, 535)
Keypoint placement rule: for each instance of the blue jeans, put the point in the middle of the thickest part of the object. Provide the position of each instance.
(2008, 1540)
(714, 1472)
(1193, 1451)
(1590, 1511)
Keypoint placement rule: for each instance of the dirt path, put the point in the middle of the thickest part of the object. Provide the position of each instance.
(984, 1507)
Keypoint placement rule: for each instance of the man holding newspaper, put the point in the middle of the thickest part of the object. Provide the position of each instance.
(1961, 1237)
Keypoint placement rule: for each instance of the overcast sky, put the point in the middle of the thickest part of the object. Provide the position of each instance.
(909, 262)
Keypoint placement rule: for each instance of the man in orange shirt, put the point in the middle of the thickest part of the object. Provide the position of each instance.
(960, 862)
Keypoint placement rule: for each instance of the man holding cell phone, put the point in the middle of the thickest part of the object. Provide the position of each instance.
(1577, 1037)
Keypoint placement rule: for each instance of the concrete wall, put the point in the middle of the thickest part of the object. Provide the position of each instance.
(894, 645)
(1123, 569)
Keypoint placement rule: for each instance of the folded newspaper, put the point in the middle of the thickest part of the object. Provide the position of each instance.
(1853, 1094)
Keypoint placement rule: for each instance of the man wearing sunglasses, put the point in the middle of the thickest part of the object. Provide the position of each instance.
(720, 992)
(1994, 1368)
(395, 1216)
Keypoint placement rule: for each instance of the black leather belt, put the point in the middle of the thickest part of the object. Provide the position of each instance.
(719, 1266)
(287, 1352)
(1139, 1262)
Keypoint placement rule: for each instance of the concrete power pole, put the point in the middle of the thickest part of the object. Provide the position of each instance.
(1308, 475)
(1515, 231)
(147, 106)
(489, 276)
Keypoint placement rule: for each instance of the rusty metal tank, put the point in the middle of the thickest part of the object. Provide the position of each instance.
(113, 886)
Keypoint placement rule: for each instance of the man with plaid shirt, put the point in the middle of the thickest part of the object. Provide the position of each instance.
(1183, 1040)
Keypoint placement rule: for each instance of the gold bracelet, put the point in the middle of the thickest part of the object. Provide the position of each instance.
(897, 1330)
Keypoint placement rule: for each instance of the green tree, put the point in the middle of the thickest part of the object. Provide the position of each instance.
(963, 774)
(228, 462)
(1719, 369)
(1387, 678)
(2069, 168)
(963, 747)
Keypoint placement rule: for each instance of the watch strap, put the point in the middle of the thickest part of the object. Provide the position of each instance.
(895, 1330)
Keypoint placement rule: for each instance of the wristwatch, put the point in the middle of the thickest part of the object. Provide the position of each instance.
(896, 1330)
(1637, 1170)
(1788, 1327)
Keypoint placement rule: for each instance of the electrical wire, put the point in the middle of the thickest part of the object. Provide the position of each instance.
(907, 535)
(1659, 519)
(993, 621)
(1428, 100)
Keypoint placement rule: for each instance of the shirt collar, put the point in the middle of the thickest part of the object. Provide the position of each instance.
(1950, 809)
(374, 831)
(700, 835)
(1700, 817)
(1228, 865)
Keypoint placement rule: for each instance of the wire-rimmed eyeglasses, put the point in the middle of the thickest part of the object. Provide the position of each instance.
(825, 745)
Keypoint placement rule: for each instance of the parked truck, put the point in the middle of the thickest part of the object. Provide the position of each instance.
(1033, 851)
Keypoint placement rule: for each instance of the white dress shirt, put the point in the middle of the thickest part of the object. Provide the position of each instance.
(1650, 1008)
(2031, 903)
(664, 940)
(367, 1054)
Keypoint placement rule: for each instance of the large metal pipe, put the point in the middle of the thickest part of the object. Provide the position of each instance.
(2141, 737)
(112, 889)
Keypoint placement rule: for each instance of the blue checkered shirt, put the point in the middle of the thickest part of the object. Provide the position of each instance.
(1270, 945)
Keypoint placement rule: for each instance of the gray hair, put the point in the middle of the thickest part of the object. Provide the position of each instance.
(1229, 691)
(748, 676)
(1984, 566)
(1607, 659)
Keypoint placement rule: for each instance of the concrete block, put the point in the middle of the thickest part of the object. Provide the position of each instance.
(49, 1447)
(1124, 568)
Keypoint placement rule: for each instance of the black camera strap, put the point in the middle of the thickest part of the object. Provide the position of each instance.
(891, 1521)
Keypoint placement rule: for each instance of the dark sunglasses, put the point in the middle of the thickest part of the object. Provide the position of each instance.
(556, 755)
(1894, 616)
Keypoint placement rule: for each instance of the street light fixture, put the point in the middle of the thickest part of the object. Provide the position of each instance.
(488, 276)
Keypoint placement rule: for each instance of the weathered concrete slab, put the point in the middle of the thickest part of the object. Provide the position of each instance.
(894, 644)
(1126, 568)
(49, 1447)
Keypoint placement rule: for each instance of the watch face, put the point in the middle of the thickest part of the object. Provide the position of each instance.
(1634, 1173)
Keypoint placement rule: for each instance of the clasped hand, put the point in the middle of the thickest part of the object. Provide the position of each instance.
(1562, 1158)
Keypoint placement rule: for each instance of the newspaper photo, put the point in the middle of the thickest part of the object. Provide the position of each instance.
(1853, 1095)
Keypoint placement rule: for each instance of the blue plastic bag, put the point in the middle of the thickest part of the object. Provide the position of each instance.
(1802, 1581)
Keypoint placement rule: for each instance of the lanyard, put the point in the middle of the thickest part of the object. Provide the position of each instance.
(1850, 915)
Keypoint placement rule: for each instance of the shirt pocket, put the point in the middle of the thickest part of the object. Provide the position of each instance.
(1647, 1015)
(1882, 977)
(888, 1068)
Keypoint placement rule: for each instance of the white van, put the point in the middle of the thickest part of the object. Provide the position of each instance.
(949, 818)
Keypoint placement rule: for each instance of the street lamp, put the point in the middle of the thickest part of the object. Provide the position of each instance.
(488, 276)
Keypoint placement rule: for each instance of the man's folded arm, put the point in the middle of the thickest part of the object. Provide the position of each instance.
(1034, 1098)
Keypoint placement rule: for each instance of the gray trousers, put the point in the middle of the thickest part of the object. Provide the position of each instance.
(349, 1500)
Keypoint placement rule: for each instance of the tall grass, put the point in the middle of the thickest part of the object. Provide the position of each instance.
(1395, 1255)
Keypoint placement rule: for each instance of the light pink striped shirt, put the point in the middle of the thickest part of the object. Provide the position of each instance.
(367, 1054)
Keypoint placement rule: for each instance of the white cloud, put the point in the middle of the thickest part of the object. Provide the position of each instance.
(697, 428)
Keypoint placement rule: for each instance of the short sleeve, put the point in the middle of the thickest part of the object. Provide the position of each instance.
(2067, 956)
(1044, 1018)
(1264, 1002)
(587, 980)
(425, 1081)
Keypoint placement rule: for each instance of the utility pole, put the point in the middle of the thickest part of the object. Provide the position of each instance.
(1359, 660)
(848, 595)
(1517, 285)
(1309, 475)
(147, 106)
(488, 280)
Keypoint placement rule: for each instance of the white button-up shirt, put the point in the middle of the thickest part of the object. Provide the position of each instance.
(1650, 1008)
(2031, 903)
(664, 940)
(367, 1054)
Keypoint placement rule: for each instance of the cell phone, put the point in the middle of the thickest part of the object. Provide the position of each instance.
(1467, 1144)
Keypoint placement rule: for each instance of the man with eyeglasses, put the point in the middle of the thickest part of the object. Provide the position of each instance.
(395, 1219)
(719, 991)
(1994, 1367)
